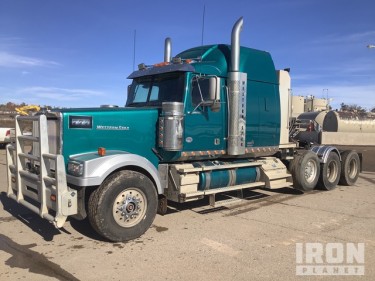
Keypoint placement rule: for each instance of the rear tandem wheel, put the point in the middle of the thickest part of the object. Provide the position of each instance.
(305, 171)
(350, 167)
(330, 172)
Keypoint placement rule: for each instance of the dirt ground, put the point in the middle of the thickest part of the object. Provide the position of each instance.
(6, 121)
(255, 239)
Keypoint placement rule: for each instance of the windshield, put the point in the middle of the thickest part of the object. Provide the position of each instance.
(154, 90)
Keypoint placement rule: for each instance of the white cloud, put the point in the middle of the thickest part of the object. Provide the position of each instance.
(60, 94)
(13, 60)
(53, 96)
(354, 38)
(8, 42)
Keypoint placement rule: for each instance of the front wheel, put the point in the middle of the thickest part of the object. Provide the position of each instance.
(124, 206)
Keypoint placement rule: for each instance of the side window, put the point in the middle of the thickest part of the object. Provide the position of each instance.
(199, 90)
(141, 91)
(154, 93)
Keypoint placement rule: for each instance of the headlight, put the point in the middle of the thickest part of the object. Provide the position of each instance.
(75, 168)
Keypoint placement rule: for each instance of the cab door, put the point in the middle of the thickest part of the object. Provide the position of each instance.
(205, 126)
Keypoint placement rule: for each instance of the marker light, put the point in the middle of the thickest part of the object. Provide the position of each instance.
(164, 63)
(101, 151)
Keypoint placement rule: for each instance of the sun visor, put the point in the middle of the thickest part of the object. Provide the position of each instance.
(162, 69)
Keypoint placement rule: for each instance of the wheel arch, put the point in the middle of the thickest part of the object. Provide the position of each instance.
(141, 170)
(323, 152)
(98, 168)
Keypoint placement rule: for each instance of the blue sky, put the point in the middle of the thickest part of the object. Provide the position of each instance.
(77, 53)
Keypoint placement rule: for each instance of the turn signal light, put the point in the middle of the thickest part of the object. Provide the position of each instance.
(101, 151)
(161, 64)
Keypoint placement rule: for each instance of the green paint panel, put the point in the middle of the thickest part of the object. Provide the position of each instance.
(134, 130)
(204, 128)
(126, 129)
(263, 103)
(216, 60)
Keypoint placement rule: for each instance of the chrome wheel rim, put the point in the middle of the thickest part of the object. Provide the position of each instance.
(332, 171)
(352, 168)
(310, 171)
(129, 207)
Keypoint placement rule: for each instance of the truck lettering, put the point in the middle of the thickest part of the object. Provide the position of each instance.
(112, 128)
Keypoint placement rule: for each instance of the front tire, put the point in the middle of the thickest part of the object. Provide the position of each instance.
(123, 207)
(330, 172)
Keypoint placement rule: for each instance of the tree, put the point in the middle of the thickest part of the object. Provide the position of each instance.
(344, 107)
(352, 108)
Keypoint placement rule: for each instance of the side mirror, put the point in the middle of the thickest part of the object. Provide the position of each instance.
(206, 92)
(214, 93)
(128, 93)
(129, 87)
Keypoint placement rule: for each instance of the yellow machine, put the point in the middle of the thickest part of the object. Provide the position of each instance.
(28, 109)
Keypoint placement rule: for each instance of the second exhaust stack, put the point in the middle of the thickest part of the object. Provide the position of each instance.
(237, 85)
(167, 50)
(235, 41)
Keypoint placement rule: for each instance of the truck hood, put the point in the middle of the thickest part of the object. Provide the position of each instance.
(131, 130)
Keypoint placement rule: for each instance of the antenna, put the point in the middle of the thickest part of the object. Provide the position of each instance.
(204, 13)
(135, 35)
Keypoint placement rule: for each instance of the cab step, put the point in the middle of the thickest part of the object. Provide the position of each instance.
(184, 197)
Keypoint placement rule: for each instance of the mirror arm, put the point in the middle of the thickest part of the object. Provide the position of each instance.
(199, 104)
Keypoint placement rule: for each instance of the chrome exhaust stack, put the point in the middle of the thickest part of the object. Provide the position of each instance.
(235, 41)
(167, 49)
(237, 89)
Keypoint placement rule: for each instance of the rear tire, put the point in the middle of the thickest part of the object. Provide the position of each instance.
(305, 171)
(330, 172)
(350, 167)
(162, 205)
(123, 207)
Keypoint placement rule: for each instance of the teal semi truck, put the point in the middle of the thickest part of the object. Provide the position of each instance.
(212, 119)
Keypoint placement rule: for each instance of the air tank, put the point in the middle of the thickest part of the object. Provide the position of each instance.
(348, 122)
(225, 177)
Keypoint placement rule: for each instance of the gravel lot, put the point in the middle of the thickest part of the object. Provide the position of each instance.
(252, 240)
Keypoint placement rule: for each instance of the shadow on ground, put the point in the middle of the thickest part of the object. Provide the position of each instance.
(41, 226)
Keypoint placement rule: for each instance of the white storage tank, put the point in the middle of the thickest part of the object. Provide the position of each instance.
(348, 122)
